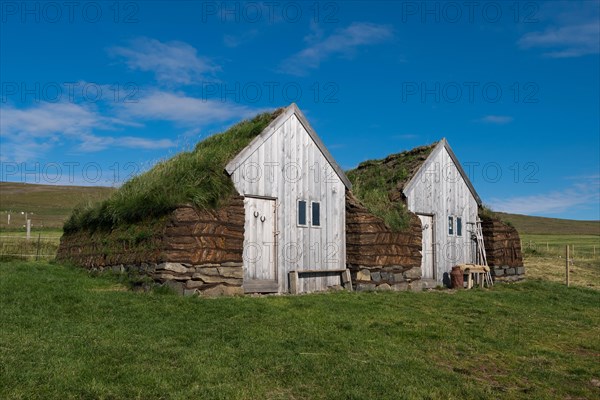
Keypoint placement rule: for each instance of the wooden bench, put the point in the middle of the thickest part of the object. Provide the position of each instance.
(476, 274)
(295, 276)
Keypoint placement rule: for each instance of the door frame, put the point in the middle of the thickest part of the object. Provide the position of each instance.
(261, 286)
(433, 237)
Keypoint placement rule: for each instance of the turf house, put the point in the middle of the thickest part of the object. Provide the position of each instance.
(429, 182)
(264, 208)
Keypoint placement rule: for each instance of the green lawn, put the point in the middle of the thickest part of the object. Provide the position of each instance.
(527, 224)
(66, 334)
(584, 246)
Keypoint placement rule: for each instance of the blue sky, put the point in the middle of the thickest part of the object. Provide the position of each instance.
(96, 91)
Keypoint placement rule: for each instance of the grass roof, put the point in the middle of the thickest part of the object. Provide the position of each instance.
(196, 177)
(378, 184)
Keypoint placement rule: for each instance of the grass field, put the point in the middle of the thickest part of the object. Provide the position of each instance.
(67, 335)
(526, 224)
(47, 206)
(544, 257)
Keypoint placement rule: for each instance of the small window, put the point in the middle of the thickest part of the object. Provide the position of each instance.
(450, 225)
(316, 214)
(302, 212)
(458, 226)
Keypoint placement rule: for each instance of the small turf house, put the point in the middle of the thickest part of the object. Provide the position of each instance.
(235, 215)
(429, 182)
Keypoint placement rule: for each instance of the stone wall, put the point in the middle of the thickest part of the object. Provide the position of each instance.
(378, 258)
(503, 250)
(190, 250)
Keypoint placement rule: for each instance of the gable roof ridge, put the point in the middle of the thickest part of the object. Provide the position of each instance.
(443, 143)
(462, 171)
(292, 109)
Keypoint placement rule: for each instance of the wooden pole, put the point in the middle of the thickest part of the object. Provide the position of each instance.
(37, 254)
(28, 229)
(567, 265)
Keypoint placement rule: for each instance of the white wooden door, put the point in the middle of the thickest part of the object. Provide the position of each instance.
(260, 256)
(428, 256)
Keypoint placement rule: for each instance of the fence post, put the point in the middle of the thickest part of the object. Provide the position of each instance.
(37, 253)
(28, 229)
(567, 264)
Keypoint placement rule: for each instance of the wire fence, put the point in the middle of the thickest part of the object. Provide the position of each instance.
(548, 249)
(36, 247)
(14, 220)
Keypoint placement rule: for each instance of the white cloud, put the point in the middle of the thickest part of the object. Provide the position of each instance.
(91, 143)
(582, 195)
(49, 119)
(574, 30)
(184, 110)
(343, 42)
(172, 62)
(29, 132)
(496, 119)
(566, 41)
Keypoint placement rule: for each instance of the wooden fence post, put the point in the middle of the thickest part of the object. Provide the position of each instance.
(567, 264)
(37, 254)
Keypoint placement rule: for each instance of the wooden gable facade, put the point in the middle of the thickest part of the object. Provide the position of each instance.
(294, 199)
(444, 199)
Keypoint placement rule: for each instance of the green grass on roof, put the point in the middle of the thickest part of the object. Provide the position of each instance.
(196, 177)
(378, 184)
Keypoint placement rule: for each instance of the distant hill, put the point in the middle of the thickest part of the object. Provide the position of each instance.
(541, 225)
(51, 205)
(46, 205)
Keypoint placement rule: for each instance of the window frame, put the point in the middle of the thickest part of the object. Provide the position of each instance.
(458, 226)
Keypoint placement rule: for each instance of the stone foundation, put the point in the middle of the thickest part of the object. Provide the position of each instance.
(187, 279)
(378, 258)
(507, 273)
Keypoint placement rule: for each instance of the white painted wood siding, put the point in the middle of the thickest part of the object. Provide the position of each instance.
(288, 166)
(439, 189)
